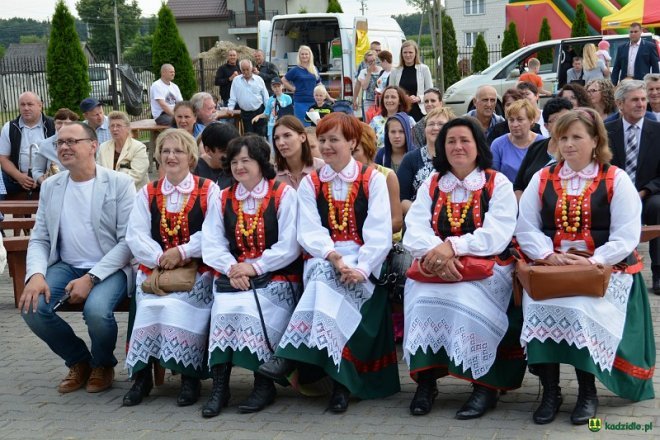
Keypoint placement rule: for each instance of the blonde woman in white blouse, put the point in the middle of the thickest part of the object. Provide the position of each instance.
(610, 338)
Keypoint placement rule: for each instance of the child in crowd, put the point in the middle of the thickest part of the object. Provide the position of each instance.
(313, 141)
(604, 52)
(322, 103)
(271, 110)
(532, 76)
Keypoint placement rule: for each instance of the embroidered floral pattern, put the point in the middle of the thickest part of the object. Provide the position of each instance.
(316, 329)
(573, 325)
(469, 335)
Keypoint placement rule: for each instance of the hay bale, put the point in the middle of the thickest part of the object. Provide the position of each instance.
(217, 56)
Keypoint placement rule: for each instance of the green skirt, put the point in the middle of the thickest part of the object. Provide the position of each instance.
(632, 372)
(242, 358)
(369, 364)
(507, 371)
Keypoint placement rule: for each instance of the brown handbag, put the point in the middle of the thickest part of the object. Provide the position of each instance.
(542, 281)
(163, 281)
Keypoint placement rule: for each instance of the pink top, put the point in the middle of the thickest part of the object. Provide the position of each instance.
(286, 177)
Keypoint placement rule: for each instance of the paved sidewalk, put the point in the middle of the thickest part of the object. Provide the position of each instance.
(31, 407)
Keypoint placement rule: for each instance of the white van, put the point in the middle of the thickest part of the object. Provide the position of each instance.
(100, 80)
(504, 73)
(332, 40)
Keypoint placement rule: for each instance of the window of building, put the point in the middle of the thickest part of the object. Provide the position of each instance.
(471, 38)
(206, 43)
(475, 7)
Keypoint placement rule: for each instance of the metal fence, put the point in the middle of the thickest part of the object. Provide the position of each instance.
(24, 75)
(27, 75)
(464, 57)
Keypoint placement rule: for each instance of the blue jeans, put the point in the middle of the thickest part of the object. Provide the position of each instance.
(98, 313)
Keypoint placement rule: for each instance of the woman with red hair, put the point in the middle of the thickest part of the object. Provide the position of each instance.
(340, 325)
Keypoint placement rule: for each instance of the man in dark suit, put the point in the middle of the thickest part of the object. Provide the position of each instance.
(633, 141)
(267, 71)
(635, 58)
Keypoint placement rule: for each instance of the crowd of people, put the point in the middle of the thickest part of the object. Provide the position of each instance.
(270, 251)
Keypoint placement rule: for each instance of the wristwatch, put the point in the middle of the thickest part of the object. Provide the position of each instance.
(94, 278)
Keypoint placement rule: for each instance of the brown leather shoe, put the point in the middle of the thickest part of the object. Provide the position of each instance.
(100, 379)
(76, 378)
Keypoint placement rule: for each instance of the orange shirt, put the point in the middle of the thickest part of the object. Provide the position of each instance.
(532, 78)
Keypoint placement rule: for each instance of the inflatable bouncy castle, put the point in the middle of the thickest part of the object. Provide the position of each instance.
(528, 16)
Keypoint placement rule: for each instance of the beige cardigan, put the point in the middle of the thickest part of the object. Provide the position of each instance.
(133, 160)
(424, 82)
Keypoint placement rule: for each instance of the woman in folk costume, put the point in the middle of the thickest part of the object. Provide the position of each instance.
(609, 337)
(341, 323)
(461, 322)
(250, 241)
(165, 231)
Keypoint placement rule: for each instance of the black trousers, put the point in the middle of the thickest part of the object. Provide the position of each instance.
(260, 127)
(651, 216)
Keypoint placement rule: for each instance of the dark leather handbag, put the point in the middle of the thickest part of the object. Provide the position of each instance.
(163, 281)
(223, 285)
(542, 281)
(393, 276)
(474, 268)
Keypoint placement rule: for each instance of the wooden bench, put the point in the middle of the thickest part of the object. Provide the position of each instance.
(17, 245)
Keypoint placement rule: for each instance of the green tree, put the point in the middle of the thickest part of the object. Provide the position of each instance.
(168, 47)
(545, 55)
(580, 27)
(66, 65)
(510, 42)
(140, 52)
(480, 54)
(27, 39)
(334, 6)
(449, 51)
(12, 29)
(99, 16)
(2, 51)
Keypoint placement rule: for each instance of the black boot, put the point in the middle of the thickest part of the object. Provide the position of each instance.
(141, 387)
(190, 388)
(587, 401)
(262, 395)
(551, 400)
(481, 400)
(427, 390)
(276, 368)
(339, 398)
(220, 394)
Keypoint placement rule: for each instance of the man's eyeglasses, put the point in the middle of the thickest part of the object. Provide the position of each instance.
(70, 142)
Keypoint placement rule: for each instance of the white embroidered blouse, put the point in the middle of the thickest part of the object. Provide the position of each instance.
(491, 238)
(215, 248)
(625, 212)
(138, 233)
(377, 228)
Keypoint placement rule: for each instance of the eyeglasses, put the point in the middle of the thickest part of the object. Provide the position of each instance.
(70, 142)
(175, 152)
(590, 91)
(435, 124)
